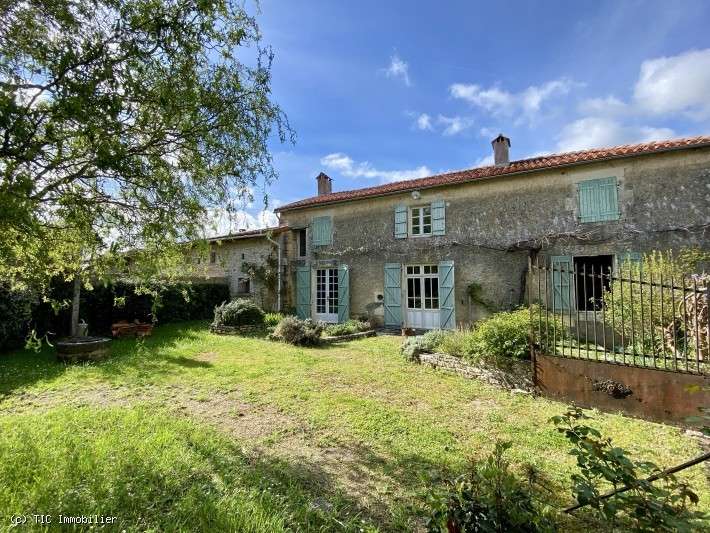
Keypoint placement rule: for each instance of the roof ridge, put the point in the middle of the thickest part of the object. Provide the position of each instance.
(520, 165)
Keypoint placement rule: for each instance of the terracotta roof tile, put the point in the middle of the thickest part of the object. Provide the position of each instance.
(515, 167)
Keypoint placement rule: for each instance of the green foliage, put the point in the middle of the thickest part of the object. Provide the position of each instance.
(489, 497)
(15, 314)
(458, 343)
(430, 342)
(293, 330)
(647, 320)
(239, 312)
(662, 505)
(124, 122)
(266, 273)
(271, 320)
(346, 328)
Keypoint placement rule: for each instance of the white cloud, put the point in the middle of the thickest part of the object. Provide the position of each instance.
(220, 221)
(485, 161)
(610, 105)
(676, 84)
(497, 101)
(424, 122)
(398, 69)
(454, 125)
(594, 132)
(347, 167)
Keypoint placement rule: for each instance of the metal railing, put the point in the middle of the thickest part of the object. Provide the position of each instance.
(620, 315)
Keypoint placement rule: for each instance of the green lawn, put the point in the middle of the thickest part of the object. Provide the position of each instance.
(194, 431)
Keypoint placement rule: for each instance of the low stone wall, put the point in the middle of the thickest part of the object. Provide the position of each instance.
(519, 376)
(348, 337)
(235, 330)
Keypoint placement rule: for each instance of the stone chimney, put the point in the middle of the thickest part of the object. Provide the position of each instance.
(501, 148)
(325, 184)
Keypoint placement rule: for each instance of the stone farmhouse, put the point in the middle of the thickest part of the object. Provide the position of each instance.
(446, 250)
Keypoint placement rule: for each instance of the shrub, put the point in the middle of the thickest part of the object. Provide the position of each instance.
(489, 497)
(293, 330)
(271, 320)
(15, 316)
(346, 328)
(646, 506)
(457, 343)
(431, 341)
(240, 312)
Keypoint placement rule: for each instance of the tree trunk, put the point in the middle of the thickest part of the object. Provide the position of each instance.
(75, 307)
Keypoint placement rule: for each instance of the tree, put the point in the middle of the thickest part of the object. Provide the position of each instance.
(122, 123)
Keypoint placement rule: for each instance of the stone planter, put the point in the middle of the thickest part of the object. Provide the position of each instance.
(76, 349)
(235, 330)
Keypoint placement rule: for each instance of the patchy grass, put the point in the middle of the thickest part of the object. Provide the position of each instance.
(191, 430)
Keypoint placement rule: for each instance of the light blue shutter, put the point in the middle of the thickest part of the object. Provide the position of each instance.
(562, 273)
(598, 200)
(393, 294)
(303, 292)
(322, 231)
(400, 222)
(343, 293)
(627, 260)
(438, 217)
(447, 299)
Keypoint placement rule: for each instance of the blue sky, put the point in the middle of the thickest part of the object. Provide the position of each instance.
(378, 91)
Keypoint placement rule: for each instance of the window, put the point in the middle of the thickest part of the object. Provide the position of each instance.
(420, 220)
(213, 258)
(322, 228)
(301, 242)
(243, 285)
(598, 200)
(423, 287)
(590, 284)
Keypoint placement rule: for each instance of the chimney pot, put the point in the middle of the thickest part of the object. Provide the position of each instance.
(325, 184)
(501, 150)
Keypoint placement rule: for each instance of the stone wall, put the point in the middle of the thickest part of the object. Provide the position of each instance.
(492, 224)
(518, 376)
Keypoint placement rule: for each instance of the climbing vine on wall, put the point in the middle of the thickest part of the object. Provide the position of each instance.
(266, 273)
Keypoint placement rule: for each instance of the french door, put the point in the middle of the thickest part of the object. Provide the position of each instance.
(327, 294)
(422, 296)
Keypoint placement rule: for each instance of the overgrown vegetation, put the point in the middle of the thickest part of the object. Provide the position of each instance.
(299, 332)
(346, 328)
(271, 320)
(15, 316)
(655, 322)
(239, 312)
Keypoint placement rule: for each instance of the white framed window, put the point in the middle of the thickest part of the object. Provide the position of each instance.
(423, 287)
(420, 221)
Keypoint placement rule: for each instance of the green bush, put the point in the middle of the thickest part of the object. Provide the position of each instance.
(457, 343)
(271, 320)
(488, 498)
(430, 342)
(240, 312)
(15, 316)
(293, 330)
(346, 328)
(503, 335)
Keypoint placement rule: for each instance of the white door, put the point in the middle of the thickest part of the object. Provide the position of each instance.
(327, 295)
(422, 296)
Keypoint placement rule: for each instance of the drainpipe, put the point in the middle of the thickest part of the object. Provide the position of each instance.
(278, 271)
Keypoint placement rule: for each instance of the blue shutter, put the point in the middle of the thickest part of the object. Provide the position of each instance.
(562, 290)
(400, 222)
(438, 217)
(447, 299)
(598, 200)
(303, 292)
(343, 293)
(627, 260)
(322, 231)
(393, 294)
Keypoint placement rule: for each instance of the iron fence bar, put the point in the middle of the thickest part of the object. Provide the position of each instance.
(547, 310)
(554, 332)
(586, 311)
(603, 303)
(673, 323)
(576, 326)
(539, 305)
(594, 313)
(630, 279)
(623, 325)
(685, 325)
(651, 329)
(633, 319)
(569, 312)
(643, 323)
(663, 333)
(697, 319)
(613, 316)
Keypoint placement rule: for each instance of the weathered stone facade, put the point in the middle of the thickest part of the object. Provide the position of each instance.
(493, 225)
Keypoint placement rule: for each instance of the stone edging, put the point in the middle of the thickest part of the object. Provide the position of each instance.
(349, 336)
(518, 377)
